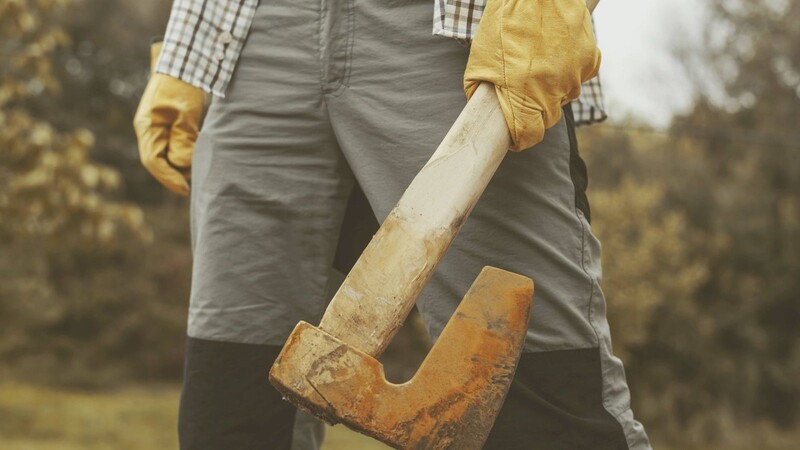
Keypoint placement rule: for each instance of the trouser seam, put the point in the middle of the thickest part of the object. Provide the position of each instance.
(344, 81)
(578, 216)
(601, 347)
(323, 64)
(591, 280)
(626, 407)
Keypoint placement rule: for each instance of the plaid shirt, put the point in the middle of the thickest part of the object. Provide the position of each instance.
(205, 37)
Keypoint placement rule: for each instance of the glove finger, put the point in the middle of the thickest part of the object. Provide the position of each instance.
(572, 95)
(152, 152)
(182, 138)
(531, 133)
(525, 122)
(470, 86)
(168, 176)
(593, 69)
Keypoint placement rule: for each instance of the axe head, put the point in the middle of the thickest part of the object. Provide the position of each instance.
(456, 394)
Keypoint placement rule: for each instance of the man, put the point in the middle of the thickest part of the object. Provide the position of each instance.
(314, 97)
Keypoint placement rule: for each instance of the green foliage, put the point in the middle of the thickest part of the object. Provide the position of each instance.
(69, 308)
(49, 188)
(702, 238)
(651, 258)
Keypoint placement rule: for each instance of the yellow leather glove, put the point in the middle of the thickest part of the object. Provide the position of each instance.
(167, 123)
(536, 53)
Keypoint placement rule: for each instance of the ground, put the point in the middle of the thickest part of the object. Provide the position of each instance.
(39, 418)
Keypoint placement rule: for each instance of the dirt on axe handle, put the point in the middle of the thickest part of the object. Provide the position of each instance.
(331, 371)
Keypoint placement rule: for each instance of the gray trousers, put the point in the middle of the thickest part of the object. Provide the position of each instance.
(336, 92)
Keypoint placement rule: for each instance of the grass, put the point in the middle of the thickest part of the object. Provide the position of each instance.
(43, 418)
(36, 418)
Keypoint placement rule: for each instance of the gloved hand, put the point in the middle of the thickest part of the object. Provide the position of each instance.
(167, 123)
(536, 53)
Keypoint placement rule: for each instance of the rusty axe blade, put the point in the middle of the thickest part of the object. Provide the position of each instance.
(452, 400)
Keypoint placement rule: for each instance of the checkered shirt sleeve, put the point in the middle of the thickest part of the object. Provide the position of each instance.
(205, 37)
(203, 41)
(459, 19)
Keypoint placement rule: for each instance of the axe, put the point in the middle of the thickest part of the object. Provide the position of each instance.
(452, 401)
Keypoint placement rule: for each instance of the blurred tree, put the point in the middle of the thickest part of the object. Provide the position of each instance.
(103, 74)
(651, 258)
(66, 240)
(656, 262)
(720, 355)
(38, 158)
(754, 164)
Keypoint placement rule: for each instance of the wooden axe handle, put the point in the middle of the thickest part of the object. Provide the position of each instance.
(384, 284)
